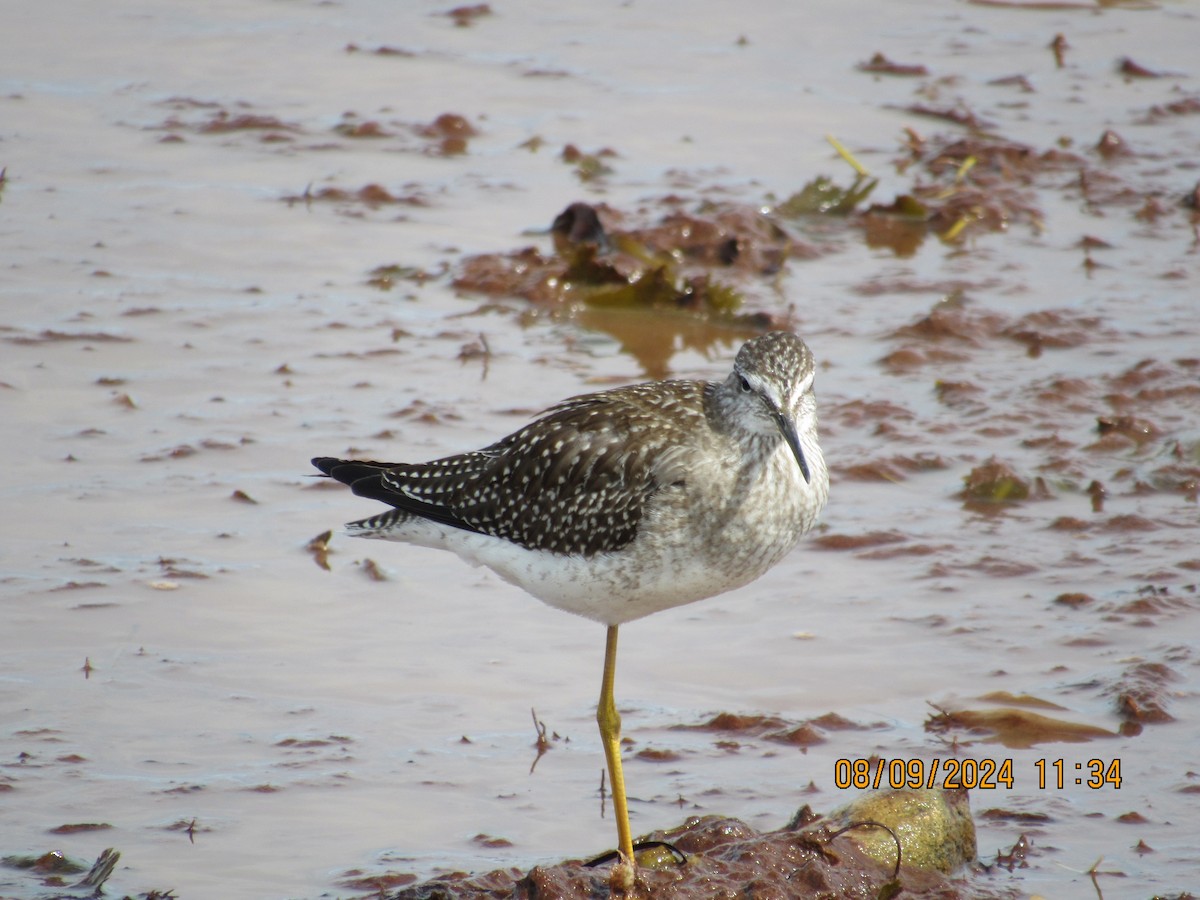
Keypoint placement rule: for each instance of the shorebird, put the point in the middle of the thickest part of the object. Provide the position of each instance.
(626, 502)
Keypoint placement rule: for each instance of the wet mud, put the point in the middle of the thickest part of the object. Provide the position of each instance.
(714, 856)
(242, 236)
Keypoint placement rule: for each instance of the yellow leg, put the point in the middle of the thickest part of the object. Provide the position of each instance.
(610, 735)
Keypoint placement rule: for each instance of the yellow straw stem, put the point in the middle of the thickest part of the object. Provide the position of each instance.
(848, 156)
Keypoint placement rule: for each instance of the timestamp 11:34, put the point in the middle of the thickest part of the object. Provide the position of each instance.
(1095, 773)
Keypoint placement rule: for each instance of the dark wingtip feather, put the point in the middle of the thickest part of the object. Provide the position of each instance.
(325, 463)
(363, 477)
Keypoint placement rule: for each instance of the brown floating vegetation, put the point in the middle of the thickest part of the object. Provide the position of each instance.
(52, 867)
(979, 182)
(351, 128)
(224, 122)
(388, 276)
(775, 729)
(857, 541)
(371, 195)
(588, 166)
(373, 570)
(1074, 599)
(688, 269)
(1188, 106)
(1059, 47)
(466, 16)
(959, 114)
(1013, 727)
(318, 548)
(383, 50)
(1131, 69)
(80, 827)
(218, 120)
(994, 482)
(448, 134)
(1112, 145)
(1142, 695)
(672, 266)
(974, 184)
(823, 196)
(53, 335)
(881, 65)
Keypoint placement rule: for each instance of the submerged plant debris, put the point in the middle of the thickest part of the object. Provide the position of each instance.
(690, 262)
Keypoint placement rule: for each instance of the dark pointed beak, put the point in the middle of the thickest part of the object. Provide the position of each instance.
(788, 429)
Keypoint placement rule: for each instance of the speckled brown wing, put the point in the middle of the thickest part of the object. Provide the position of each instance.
(576, 481)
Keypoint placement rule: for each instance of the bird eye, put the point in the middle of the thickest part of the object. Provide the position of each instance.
(745, 385)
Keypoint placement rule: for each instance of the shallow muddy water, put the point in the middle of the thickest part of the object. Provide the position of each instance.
(187, 315)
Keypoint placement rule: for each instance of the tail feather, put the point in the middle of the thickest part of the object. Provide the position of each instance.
(377, 526)
(348, 471)
(364, 477)
(366, 480)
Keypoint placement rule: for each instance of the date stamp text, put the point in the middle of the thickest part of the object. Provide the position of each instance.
(973, 774)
